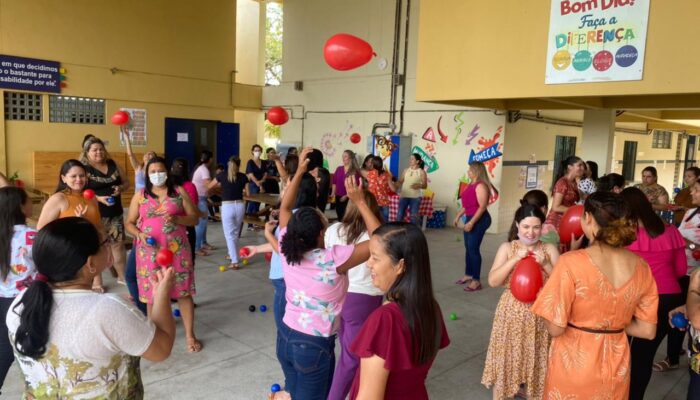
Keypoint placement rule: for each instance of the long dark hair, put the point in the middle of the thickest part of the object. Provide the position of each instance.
(307, 195)
(179, 171)
(353, 225)
(564, 166)
(413, 289)
(419, 160)
(525, 211)
(204, 158)
(168, 183)
(378, 164)
(593, 167)
(303, 230)
(610, 213)
(11, 201)
(607, 182)
(639, 209)
(65, 167)
(537, 198)
(60, 250)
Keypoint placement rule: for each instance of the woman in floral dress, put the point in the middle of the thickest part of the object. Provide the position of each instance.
(161, 212)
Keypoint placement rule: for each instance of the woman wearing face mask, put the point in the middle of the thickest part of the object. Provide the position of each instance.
(519, 344)
(161, 212)
(255, 171)
(68, 201)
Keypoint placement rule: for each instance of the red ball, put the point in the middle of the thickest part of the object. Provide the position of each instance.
(526, 280)
(277, 116)
(571, 223)
(164, 257)
(268, 257)
(355, 138)
(344, 52)
(244, 252)
(88, 194)
(696, 254)
(120, 118)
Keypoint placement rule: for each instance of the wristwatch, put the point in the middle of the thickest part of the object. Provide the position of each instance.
(692, 246)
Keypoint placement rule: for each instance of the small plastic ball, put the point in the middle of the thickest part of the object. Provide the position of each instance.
(275, 388)
(110, 200)
(679, 321)
(453, 317)
(251, 308)
(176, 313)
(151, 241)
(88, 194)
(245, 262)
(263, 308)
(222, 268)
(677, 190)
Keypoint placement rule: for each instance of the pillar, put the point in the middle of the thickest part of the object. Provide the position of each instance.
(597, 138)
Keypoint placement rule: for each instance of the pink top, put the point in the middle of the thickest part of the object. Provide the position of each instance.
(338, 180)
(315, 291)
(201, 174)
(469, 201)
(665, 255)
(191, 191)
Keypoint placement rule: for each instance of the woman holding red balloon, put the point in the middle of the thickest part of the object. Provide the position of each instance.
(517, 353)
(663, 248)
(594, 299)
(157, 219)
(565, 190)
(71, 199)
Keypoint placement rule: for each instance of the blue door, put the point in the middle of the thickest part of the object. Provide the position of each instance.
(227, 141)
(179, 140)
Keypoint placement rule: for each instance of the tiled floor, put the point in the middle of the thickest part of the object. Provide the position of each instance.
(238, 360)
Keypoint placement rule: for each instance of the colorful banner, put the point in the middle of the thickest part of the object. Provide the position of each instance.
(21, 73)
(596, 41)
(486, 154)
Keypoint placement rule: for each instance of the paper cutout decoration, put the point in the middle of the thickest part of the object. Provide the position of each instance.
(429, 135)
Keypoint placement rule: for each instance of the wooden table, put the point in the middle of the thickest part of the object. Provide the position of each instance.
(263, 198)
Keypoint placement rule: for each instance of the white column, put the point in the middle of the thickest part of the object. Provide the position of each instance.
(597, 138)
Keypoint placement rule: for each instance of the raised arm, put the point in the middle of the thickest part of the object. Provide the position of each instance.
(135, 164)
(291, 191)
(361, 252)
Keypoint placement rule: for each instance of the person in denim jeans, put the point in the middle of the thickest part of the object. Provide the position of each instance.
(306, 338)
(201, 179)
(411, 182)
(475, 200)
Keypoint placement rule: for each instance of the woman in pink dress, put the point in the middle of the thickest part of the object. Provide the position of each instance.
(161, 212)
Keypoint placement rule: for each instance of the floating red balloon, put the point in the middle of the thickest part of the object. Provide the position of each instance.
(120, 118)
(345, 52)
(88, 194)
(526, 280)
(277, 116)
(355, 138)
(571, 223)
(164, 257)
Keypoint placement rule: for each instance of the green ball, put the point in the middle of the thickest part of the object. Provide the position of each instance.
(453, 317)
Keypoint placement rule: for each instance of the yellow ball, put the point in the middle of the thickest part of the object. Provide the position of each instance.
(245, 262)
(222, 268)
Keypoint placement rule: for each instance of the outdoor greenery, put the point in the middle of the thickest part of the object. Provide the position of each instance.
(273, 44)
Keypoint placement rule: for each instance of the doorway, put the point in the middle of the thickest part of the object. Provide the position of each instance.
(629, 160)
(564, 147)
(187, 138)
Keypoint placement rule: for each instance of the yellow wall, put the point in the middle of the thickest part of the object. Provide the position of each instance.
(485, 49)
(172, 58)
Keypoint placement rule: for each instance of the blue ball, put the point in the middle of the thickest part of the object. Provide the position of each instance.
(151, 241)
(679, 321)
(263, 308)
(677, 190)
(176, 313)
(275, 388)
(110, 200)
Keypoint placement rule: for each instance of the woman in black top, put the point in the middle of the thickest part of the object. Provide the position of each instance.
(233, 185)
(255, 171)
(109, 181)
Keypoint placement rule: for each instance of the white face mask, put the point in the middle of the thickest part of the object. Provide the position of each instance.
(158, 178)
(527, 241)
(256, 154)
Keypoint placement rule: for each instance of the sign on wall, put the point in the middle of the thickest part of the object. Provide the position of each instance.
(137, 127)
(596, 41)
(21, 73)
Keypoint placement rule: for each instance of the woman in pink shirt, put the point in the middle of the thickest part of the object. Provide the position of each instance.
(663, 248)
(316, 285)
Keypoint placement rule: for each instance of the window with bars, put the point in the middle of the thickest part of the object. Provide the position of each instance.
(661, 139)
(76, 110)
(22, 106)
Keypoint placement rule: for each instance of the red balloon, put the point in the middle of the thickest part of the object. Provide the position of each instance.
(345, 52)
(696, 254)
(164, 257)
(571, 223)
(120, 118)
(88, 194)
(355, 138)
(244, 252)
(268, 257)
(526, 280)
(277, 116)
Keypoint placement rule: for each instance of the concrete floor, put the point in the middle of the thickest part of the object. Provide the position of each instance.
(238, 360)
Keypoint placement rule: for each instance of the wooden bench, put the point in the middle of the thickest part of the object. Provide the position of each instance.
(263, 198)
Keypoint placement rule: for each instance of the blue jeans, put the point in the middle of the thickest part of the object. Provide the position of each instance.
(472, 245)
(385, 213)
(280, 301)
(130, 277)
(253, 207)
(201, 227)
(307, 361)
(414, 203)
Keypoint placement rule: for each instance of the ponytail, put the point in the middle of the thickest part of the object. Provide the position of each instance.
(32, 335)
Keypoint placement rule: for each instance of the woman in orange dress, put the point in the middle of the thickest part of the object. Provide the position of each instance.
(593, 300)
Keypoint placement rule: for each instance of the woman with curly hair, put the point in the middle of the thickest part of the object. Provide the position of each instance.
(316, 282)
